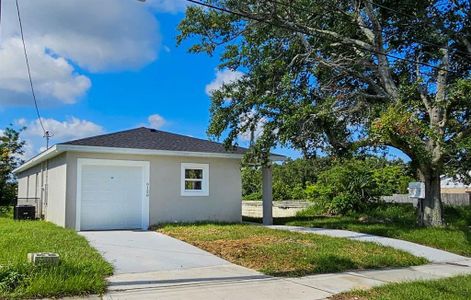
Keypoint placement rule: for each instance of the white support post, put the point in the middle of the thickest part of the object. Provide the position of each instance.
(267, 195)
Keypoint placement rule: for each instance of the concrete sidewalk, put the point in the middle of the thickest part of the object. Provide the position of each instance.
(211, 283)
(431, 254)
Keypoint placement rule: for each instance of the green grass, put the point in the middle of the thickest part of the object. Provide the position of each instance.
(283, 253)
(453, 288)
(396, 221)
(81, 271)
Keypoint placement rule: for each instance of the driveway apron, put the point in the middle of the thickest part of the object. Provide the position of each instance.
(148, 251)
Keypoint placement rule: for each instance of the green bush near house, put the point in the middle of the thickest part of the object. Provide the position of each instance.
(253, 197)
(338, 185)
(289, 178)
(345, 188)
(355, 185)
(81, 271)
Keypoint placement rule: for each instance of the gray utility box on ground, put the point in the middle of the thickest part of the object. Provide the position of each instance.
(43, 258)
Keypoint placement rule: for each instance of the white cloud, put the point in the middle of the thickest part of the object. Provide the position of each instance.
(222, 77)
(248, 118)
(69, 129)
(97, 36)
(156, 121)
(53, 77)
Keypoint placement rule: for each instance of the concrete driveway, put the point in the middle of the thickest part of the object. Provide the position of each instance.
(150, 265)
(148, 251)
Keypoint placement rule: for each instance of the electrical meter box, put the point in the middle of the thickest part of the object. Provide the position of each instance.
(417, 190)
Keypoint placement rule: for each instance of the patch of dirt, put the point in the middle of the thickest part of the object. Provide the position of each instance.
(233, 247)
(256, 252)
(242, 251)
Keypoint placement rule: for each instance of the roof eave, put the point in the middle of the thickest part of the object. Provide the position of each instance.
(60, 148)
(43, 156)
(136, 151)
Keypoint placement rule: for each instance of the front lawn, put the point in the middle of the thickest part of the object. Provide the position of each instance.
(283, 253)
(81, 271)
(453, 288)
(397, 221)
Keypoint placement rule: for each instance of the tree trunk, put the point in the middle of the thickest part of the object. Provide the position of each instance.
(432, 209)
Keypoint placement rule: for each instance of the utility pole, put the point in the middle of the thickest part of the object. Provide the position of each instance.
(47, 136)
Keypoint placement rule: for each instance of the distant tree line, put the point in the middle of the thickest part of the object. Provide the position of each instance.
(338, 185)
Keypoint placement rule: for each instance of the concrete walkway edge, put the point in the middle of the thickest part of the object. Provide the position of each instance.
(431, 254)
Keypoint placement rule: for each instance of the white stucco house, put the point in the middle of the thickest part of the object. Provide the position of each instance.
(136, 178)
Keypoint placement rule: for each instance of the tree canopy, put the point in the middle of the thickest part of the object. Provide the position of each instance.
(11, 150)
(343, 77)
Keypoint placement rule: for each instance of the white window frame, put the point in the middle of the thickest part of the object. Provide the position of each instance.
(204, 183)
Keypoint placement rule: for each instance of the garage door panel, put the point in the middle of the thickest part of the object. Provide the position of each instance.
(111, 197)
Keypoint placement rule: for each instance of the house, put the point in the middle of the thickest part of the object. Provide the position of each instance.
(450, 185)
(135, 178)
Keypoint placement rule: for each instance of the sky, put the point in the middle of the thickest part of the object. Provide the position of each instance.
(104, 66)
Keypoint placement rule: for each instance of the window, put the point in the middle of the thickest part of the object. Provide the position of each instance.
(195, 179)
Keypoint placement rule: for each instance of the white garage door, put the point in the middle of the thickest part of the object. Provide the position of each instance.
(112, 194)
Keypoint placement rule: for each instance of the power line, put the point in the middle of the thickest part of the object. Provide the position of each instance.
(310, 34)
(47, 134)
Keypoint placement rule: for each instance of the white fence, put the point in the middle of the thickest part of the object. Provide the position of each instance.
(287, 208)
(448, 199)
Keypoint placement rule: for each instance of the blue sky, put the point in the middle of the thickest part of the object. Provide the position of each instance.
(168, 90)
(154, 84)
(107, 74)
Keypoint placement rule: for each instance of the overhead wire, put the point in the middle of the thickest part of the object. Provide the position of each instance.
(47, 135)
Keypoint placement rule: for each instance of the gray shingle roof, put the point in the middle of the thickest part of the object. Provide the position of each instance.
(152, 139)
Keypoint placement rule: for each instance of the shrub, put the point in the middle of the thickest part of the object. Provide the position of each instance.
(10, 278)
(297, 192)
(251, 181)
(346, 187)
(6, 211)
(310, 211)
(281, 191)
(392, 179)
(253, 196)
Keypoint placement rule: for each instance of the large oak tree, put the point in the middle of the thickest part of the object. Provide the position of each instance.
(344, 76)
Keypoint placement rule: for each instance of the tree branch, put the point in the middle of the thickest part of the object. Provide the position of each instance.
(439, 112)
(467, 43)
(422, 89)
(383, 63)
